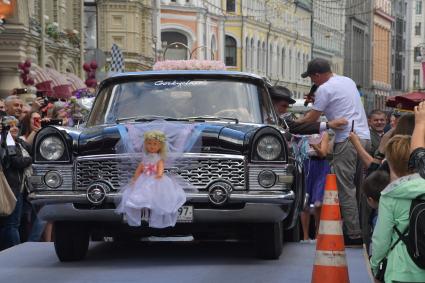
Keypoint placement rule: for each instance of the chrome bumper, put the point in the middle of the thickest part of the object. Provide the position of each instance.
(250, 213)
(57, 197)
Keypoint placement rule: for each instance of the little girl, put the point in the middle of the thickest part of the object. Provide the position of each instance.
(316, 169)
(150, 189)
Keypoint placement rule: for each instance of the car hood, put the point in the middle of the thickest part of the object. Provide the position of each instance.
(216, 138)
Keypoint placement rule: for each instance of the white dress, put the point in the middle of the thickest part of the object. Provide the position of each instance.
(163, 197)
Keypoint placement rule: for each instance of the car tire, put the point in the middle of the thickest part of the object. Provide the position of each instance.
(269, 240)
(294, 234)
(71, 240)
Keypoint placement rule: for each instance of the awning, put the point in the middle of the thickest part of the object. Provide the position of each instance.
(406, 101)
(61, 86)
(40, 75)
(56, 77)
(75, 81)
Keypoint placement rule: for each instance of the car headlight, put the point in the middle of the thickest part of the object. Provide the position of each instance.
(53, 179)
(267, 178)
(269, 148)
(52, 148)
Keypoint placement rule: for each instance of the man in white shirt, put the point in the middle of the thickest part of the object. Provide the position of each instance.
(338, 97)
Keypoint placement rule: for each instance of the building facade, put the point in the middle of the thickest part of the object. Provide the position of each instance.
(128, 24)
(358, 46)
(399, 55)
(415, 44)
(381, 66)
(271, 39)
(45, 31)
(329, 33)
(191, 29)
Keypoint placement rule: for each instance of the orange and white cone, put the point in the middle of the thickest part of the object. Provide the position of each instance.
(330, 264)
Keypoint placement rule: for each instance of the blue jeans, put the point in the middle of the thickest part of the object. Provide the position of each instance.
(9, 227)
(38, 226)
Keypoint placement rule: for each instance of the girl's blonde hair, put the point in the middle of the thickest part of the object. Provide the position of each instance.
(159, 136)
(397, 152)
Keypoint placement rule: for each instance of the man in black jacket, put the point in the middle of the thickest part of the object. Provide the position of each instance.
(281, 98)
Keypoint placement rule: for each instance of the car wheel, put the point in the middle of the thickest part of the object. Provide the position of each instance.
(71, 240)
(293, 234)
(269, 240)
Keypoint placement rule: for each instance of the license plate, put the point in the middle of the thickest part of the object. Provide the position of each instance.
(185, 214)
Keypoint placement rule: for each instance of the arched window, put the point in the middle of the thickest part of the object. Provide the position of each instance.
(290, 64)
(177, 51)
(213, 48)
(277, 71)
(252, 46)
(270, 59)
(230, 52)
(297, 66)
(264, 57)
(259, 66)
(247, 57)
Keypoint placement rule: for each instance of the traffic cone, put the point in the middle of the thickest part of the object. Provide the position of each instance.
(330, 264)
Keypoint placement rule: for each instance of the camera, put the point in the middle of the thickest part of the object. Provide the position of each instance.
(41, 94)
(52, 122)
(310, 96)
(7, 148)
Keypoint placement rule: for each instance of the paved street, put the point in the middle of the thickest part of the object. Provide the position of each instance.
(167, 262)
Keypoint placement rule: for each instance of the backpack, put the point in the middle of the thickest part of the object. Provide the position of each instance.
(414, 236)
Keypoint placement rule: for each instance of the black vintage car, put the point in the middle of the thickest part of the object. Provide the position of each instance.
(248, 182)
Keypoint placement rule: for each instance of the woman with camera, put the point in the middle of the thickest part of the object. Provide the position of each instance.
(15, 166)
(31, 124)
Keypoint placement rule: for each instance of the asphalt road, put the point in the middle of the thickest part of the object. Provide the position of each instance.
(185, 262)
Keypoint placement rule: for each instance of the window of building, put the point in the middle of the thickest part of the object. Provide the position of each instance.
(230, 52)
(418, 28)
(247, 55)
(418, 7)
(231, 6)
(270, 54)
(259, 52)
(283, 63)
(174, 43)
(213, 47)
(416, 78)
(417, 54)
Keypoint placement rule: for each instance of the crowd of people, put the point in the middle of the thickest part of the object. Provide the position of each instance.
(379, 163)
(23, 121)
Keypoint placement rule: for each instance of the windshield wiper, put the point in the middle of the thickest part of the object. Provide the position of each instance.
(204, 118)
(149, 118)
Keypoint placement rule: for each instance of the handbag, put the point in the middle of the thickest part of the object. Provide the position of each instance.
(7, 197)
(380, 275)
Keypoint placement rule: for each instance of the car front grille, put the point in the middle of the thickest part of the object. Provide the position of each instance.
(198, 169)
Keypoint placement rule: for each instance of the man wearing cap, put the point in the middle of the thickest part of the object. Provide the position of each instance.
(338, 97)
(281, 98)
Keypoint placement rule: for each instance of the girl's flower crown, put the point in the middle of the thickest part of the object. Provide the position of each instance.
(157, 135)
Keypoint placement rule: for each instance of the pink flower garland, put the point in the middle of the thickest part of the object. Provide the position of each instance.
(189, 65)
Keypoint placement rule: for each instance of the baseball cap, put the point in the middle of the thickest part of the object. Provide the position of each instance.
(281, 93)
(317, 65)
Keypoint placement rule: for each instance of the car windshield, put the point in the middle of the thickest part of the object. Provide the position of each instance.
(179, 99)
